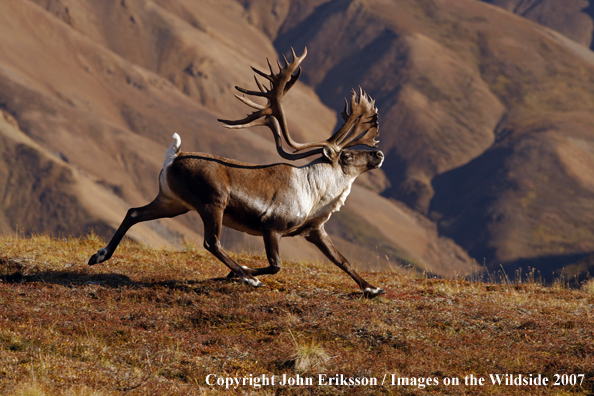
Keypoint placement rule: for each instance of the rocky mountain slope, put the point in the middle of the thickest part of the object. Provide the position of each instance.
(573, 18)
(91, 92)
(486, 117)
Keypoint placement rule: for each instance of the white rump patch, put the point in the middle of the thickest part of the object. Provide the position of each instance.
(172, 151)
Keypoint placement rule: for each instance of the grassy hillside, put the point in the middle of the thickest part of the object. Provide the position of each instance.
(159, 322)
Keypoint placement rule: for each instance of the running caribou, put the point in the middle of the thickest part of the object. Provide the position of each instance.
(272, 201)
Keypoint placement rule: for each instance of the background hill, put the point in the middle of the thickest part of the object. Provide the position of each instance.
(573, 18)
(485, 118)
(491, 113)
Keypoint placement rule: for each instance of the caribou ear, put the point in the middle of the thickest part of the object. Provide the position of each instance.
(330, 153)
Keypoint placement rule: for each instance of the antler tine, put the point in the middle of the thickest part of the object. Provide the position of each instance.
(251, 120)
(260, 86)
(361, 125)
(248, 102)
(293, 79)
(345, 111)
(266, 76)
(253, 93)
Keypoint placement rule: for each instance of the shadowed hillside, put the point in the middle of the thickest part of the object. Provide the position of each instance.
(573, 18)
(486, 118)
(490, 117)
(98, 88)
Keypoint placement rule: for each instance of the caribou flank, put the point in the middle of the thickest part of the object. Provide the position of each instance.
(272, 201)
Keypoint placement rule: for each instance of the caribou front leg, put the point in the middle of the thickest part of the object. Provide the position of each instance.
(320, 238)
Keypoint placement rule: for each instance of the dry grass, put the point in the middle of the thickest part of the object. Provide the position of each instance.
(151, 322)
(588, 287)
(309, 356)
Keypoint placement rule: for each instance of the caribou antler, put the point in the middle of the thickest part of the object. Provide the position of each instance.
(360, 127)
(272, 114)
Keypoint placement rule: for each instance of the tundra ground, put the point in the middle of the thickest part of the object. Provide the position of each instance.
(158, 322)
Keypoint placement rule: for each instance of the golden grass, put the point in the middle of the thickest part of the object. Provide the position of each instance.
(588, 287)
(309, 355)
(37, 389)
(157, 322)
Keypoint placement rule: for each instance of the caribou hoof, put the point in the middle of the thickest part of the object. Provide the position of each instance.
(98, 257)
(253, 282)
(372, 292)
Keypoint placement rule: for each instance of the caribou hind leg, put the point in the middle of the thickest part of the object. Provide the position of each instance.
(272, 245)
(160, 207)
(320, 238)
(212, 217)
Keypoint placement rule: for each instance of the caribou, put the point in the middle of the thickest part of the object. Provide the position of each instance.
(272, 201)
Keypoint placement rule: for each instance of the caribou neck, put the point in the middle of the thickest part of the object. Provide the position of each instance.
(325, 185)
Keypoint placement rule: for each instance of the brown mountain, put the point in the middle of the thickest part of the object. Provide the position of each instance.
(486, 117)
(573, 18)
(91, 92)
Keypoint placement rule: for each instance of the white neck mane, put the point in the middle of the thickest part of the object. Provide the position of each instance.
(326, 188)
